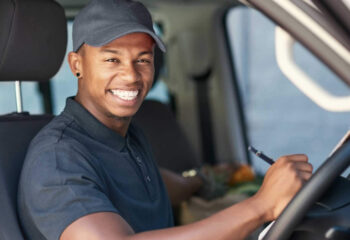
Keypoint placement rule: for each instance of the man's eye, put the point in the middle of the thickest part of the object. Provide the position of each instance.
(144, 61)
(114, 60)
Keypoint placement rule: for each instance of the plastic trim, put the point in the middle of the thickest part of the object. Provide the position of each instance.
(285, 59)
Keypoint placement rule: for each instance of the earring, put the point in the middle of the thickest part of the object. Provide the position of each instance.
(77, 74)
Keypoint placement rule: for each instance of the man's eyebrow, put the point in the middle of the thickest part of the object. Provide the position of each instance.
(107, 50)
(146, 53)
(110, 51)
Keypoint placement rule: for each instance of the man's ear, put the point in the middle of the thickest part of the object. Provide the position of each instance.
(75, 64)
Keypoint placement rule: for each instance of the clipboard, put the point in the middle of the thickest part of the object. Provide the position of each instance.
(341, 142)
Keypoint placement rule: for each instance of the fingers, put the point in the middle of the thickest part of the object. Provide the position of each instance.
(304, 176)
(303, 166)
(299, 165)
(295, 157)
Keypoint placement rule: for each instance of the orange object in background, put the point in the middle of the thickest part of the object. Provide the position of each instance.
(243, 174)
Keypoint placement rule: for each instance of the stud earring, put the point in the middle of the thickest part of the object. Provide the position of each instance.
(77, 74)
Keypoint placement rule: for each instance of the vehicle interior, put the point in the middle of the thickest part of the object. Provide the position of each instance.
(271, 74)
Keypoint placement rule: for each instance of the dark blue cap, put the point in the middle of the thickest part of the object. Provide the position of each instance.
(102, 21)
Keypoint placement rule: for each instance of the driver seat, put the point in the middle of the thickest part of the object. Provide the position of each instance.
(33, 38)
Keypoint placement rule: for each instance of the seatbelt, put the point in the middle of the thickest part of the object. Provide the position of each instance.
(45, 90)
(204, 112)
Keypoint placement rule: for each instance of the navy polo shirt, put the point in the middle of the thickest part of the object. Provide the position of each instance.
(76, 166)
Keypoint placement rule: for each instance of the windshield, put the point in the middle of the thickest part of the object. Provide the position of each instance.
(280, 119)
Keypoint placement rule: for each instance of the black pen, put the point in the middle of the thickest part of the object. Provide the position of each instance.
(261, 155)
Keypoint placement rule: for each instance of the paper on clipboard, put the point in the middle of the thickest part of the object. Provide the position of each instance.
(341, 142)
(265, 230)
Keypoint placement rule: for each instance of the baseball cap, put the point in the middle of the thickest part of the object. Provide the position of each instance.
(102, 21)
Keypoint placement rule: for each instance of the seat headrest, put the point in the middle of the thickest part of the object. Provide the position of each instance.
(33, 39)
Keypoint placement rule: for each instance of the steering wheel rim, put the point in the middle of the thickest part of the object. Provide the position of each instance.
(310, 193)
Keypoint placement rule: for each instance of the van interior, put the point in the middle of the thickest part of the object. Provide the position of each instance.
(235, 74)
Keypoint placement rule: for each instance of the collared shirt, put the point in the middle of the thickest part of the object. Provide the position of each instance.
(77, 166)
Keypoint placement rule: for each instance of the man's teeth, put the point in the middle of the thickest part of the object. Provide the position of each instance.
(125, 95)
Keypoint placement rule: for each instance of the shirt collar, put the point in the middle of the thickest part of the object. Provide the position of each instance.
(93, 126)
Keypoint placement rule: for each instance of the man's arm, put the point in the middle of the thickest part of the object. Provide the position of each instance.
(282, 181)
(180, 188)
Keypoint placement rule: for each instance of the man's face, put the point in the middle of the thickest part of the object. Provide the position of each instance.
(116, 77)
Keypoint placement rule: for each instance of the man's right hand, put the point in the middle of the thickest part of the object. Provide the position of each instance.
(282, 181)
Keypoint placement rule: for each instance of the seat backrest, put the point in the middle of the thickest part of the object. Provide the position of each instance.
(33, 39)
(172, 150)
(16, 132)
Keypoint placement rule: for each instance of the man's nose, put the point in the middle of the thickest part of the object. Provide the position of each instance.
(129, 73)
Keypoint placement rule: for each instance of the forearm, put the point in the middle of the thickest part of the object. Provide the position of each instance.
(236, 222)
(179, 188)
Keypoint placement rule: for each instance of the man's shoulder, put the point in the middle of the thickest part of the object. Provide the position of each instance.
(55, 147)
(57, 135)
(52, 132)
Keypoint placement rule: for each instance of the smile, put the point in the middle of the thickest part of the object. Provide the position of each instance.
(125, 95)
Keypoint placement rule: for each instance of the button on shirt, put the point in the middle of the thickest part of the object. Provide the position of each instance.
(77, 166)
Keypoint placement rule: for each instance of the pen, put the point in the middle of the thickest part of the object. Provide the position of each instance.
(261, 155)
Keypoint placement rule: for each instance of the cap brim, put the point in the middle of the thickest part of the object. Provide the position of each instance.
(107, 35)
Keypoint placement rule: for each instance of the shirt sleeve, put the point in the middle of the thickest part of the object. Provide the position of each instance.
(58, 186)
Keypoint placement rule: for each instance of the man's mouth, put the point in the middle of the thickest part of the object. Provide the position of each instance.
(124, 94)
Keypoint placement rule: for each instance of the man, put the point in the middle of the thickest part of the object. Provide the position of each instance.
(90, 174)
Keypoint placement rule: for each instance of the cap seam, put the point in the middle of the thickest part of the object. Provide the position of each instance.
(116, 25)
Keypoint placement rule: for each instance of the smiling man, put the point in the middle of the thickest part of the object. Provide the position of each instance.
(90, 173)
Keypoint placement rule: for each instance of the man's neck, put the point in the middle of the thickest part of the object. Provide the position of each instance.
(118, 124)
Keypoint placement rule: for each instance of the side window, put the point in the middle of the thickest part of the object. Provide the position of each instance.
(31, 97)
(280, 119)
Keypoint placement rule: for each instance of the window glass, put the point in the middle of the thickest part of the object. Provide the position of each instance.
(31, 98)
(280, 119)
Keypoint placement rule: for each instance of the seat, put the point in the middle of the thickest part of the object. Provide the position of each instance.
(33, 39)
(171, 148)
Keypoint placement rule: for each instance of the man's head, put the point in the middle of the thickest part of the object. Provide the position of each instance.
(114, 58)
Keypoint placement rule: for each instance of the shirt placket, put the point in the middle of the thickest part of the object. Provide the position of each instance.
(143, 169)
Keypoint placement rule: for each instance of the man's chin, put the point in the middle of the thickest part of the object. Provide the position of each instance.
(122, 113)
(120, 118)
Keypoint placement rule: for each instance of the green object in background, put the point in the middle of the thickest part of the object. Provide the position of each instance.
(247, 188)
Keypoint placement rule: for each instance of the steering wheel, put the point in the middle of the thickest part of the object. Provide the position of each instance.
(310, 193)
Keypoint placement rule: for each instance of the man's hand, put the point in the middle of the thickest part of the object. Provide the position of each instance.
(282, 181)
